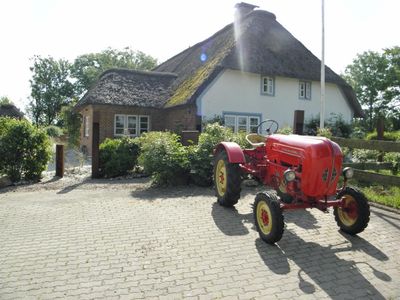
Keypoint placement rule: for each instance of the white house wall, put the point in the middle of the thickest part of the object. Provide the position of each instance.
(239, 92)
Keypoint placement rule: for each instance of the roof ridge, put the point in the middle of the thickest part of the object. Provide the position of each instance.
(141, 72)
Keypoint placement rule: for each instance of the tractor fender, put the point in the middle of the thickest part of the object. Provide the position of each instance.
(235, 153)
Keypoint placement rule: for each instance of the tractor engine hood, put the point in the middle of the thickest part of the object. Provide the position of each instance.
(317, 161)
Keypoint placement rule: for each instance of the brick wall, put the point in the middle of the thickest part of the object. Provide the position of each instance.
(86, 141)
(181, 118)
(174, 119)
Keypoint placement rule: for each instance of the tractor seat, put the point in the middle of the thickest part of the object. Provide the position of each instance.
(255, 140)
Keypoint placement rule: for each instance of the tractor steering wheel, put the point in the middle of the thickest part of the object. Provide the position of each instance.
(268, 126)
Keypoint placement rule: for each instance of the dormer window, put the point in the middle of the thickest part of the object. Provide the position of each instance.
(267, 85)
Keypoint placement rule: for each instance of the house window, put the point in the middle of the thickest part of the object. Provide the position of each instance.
(130, 125)
(230, 122)
(86, 126)
(241, 123)
(144, 124)
(267, 85)
(119, 125)
(305, 90)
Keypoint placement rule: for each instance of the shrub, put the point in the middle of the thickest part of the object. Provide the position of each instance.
(362, 155)
(53, 131)
(326, 132)
(336, 124)
(339, 127)
(24, 150)
(201, 156)
(312, 125)
(163, 156)
(286, 130)
(118, 156)
(71, 121)
(387, 136)
(394, 158)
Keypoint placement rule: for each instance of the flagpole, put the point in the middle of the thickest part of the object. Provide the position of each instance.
(322, 113)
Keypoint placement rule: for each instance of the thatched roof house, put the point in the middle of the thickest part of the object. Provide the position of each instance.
(178, 91)
(10, 110)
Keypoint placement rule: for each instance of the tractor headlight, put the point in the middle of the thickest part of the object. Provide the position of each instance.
(289, 175)
(348, 173)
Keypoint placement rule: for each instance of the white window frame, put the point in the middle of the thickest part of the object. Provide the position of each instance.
(305, 90)
(86, 126)
(139, 124)
(137, 127)
(268, 85)
(236, 122)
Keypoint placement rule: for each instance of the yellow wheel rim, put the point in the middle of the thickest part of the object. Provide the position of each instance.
(220, 177)
(264, 219)
(348, 214)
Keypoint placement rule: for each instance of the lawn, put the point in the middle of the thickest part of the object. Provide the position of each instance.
(386, 195)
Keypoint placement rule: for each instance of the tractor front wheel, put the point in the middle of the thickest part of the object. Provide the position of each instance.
(353, 216)
(227, 180)
(268, 217)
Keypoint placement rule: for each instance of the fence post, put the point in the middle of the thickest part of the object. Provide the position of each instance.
(95, 150)
(60, 160)
(380, 132)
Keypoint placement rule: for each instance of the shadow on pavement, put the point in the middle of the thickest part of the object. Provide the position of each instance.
(151, 193)
(389, 218)
(302, 218)
(357, 243)
(336, 276)
(229, 221)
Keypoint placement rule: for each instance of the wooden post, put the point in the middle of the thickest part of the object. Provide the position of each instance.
(95, 150)
(60, 160)
(380, 131)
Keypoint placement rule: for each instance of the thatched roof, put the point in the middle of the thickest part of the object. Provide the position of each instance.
(262, 45)
(130, 87)
(10, 110)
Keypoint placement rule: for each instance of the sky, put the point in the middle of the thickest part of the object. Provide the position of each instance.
(163, 28)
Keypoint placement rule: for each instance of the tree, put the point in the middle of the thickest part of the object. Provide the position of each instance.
(88, 67)
(375, 79)
(71, 122)
(4, 100)
(392, 91)
(51, 89)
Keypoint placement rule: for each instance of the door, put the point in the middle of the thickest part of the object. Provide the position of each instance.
(298, 123)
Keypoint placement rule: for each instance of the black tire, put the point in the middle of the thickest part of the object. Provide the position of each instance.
(356, 219)
(268, 217)
(228, 194)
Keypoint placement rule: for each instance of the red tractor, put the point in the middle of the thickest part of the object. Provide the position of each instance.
(303, 170)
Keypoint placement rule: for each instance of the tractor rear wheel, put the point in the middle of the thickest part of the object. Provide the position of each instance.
(227, 180)
(268, 217)
(353, 217)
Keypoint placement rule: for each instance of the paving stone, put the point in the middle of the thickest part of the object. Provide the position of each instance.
(116, 243)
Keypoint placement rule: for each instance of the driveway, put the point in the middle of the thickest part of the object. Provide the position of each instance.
(126, 240)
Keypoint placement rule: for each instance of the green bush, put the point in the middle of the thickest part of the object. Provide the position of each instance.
(394, 158)
(326, 132)
(339, 127)
(336, 125)
(201, 156)
(363, 155)
(164, 157)
(387, 136)
(118, 156)
(285, 130)
(53, 131)
(24, 150)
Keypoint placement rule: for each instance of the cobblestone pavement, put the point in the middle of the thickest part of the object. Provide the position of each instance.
(177, 243)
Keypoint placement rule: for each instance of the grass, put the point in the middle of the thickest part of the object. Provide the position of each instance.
(386, 195)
